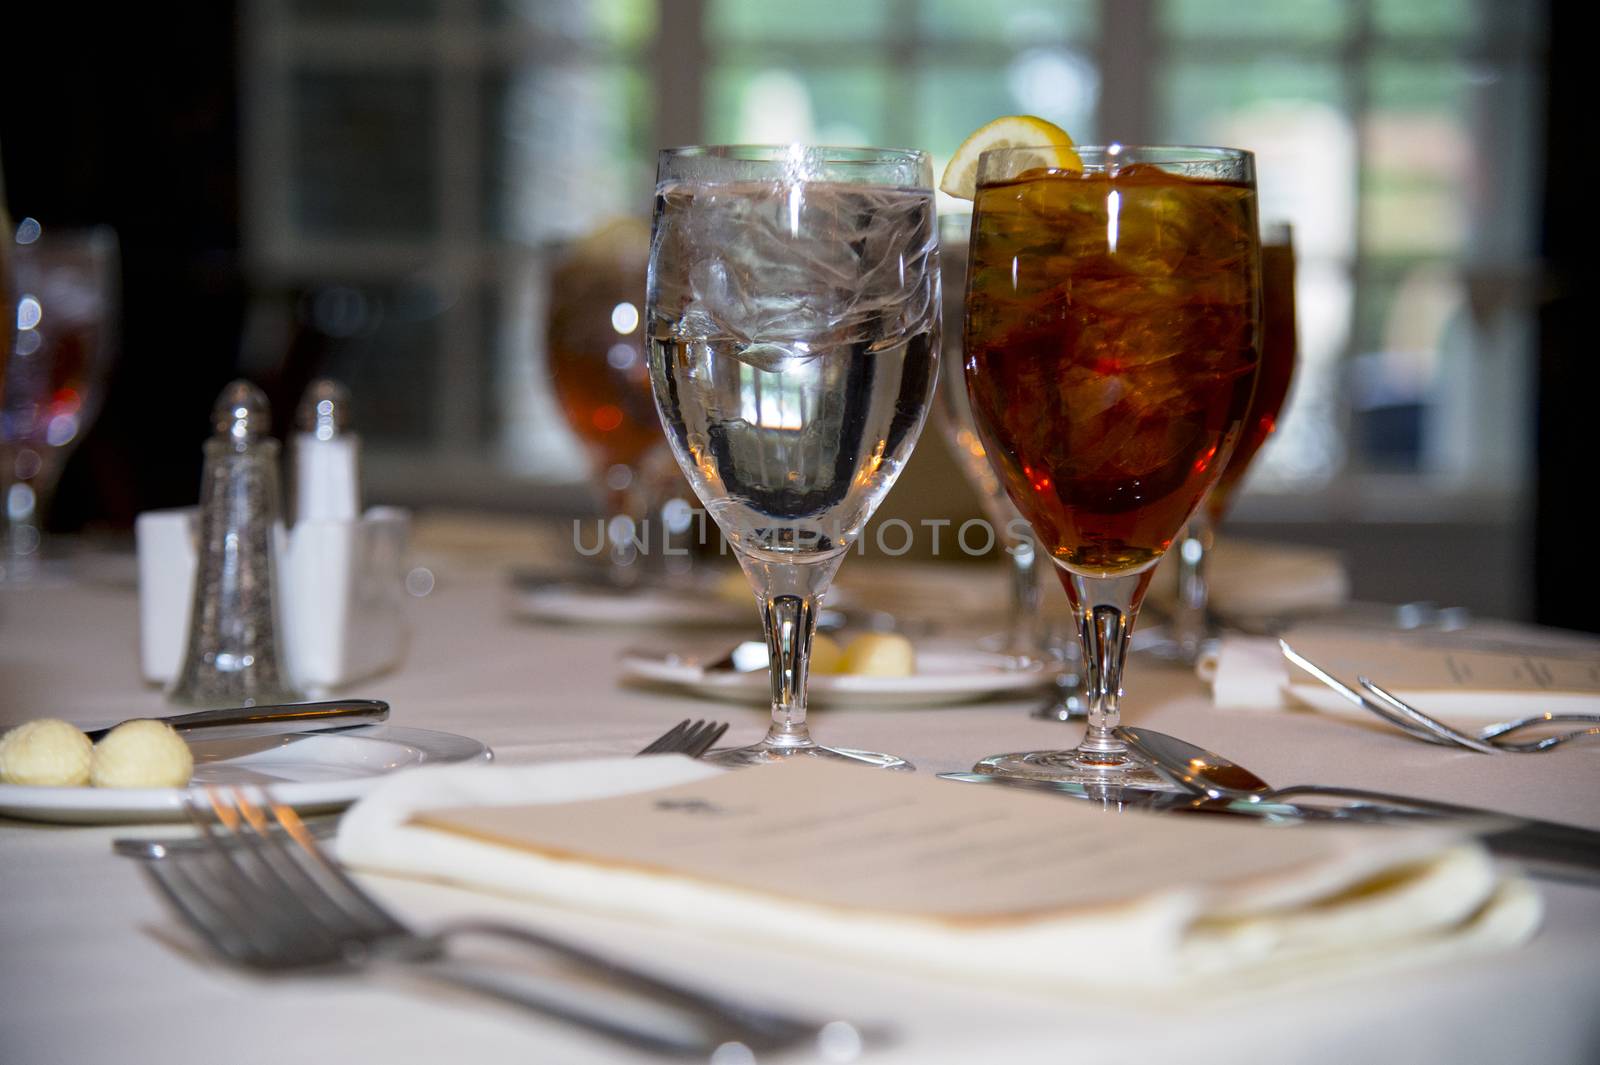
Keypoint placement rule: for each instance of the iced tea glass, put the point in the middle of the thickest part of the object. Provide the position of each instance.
(1193, 627)
(1113, 324)
(595, 347)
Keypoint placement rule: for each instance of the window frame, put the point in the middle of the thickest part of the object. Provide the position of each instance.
(457, 46)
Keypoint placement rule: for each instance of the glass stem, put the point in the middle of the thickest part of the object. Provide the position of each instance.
(1106, 609)
(626, 532)
(791, 597)
(25, 507)
(1022, 629)
(1191, 621)
(790, 622)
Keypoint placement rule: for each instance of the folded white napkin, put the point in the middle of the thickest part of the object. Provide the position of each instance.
(1386, 898)
(1254, 579)
(1246, 673)
(1483, 675)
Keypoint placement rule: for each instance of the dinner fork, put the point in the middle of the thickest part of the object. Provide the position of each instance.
(1414, 722)
(264, 896)
(693, 738)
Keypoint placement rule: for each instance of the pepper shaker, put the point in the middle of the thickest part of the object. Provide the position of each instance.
(235, 649)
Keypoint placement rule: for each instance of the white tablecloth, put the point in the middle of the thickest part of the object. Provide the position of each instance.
(90, 972)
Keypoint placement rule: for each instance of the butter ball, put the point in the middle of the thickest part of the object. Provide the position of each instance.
(879, 654)
(141, 754)
(826, 657)
(45, 753)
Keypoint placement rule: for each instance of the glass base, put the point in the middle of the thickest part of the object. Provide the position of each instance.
(1068, 702)
(767, 753)
(1070, 766)
(1163, 648)
(1059, 711)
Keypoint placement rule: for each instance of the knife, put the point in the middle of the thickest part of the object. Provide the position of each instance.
(1543, 848)
(269, 720)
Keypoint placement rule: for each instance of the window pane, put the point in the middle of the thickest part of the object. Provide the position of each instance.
(1306, 20)
(796, 20)
(1419, 158)
(1426, 18)
(564, 148)
(1413, 370)
(619, 23)
(774, 103)
(362, 162)
(1053, 83)
(366, 10)
(1291, 113)
(1023, 23)
(383, 343)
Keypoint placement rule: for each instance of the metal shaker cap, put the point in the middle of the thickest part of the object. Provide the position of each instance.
(324, 410)
(242, 413)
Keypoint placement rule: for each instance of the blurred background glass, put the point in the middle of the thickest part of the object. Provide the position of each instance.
(62, 305)
(403, 171)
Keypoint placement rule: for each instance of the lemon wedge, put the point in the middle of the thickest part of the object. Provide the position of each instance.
(1050, 141)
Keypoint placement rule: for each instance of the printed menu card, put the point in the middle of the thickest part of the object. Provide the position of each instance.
(909, 869)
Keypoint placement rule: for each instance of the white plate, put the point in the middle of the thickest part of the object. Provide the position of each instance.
(308, 770)
(942, 677)
(596, 606)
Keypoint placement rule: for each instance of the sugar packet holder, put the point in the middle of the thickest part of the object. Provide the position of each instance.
(341, 591)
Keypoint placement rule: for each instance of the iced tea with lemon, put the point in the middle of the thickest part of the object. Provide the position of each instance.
(1112, 335)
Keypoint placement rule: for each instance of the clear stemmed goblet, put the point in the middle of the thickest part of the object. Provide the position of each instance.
(1023, 637)
(1112, 329)
(1193, 626)
(63, 303)
(1028, 636)
(793, 324)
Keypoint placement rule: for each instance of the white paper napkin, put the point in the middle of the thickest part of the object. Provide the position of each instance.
(1444, 898)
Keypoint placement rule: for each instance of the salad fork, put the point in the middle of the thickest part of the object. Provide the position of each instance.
(264, 896)
(1496, 734)
(1489, 740)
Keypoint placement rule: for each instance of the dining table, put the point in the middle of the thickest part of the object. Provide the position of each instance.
(93, 967)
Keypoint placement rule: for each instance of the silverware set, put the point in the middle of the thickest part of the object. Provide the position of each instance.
(260, 893)
(1492, 739)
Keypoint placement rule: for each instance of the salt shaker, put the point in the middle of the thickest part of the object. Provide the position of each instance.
(235, 648)
(326, 456)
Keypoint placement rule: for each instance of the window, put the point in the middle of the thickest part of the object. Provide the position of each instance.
(413, 162)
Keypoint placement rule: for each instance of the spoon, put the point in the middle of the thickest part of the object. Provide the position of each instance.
(1207, 773)
(1555, 848)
